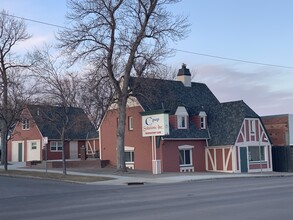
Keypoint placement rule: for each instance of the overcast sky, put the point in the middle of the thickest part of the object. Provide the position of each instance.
(253, 31)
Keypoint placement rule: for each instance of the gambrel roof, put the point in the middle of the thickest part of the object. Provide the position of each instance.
(50, 120)
(224, 120)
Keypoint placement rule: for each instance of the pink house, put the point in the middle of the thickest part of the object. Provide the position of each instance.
(205, 135)
(40, 128)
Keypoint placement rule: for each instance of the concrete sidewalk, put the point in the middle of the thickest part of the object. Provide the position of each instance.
(142, 177)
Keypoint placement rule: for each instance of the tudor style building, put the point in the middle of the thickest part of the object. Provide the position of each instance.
(205, 135)
(41, 127)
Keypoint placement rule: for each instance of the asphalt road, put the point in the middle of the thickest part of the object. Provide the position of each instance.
(241, 198)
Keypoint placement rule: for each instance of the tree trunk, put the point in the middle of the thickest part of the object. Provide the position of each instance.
(3, 145)
(63, 152)
(120, 134)
(4, 129)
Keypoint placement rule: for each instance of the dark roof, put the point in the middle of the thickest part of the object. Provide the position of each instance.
(224, 119)
(50, 120)
(154, 94)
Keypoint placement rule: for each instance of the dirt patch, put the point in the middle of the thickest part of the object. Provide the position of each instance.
(54, 176)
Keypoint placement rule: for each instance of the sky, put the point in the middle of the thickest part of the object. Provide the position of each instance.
(227, 43)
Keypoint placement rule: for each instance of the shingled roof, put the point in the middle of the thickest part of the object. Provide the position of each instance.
(154, 94)
(224, 119)
(50, 119)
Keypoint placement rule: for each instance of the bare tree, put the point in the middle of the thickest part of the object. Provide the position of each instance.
(121, 38)
(58, 87)
(12, 32)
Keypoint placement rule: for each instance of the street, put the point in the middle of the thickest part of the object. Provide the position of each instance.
(235, 198)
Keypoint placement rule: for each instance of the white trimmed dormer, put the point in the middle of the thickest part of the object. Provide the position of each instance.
(182, 117)
(203, 120)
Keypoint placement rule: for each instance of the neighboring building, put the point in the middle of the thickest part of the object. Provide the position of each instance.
(40, 124)
(280, 129)
(205, 135)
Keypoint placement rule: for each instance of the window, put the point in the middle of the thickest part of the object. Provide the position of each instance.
(185, 155)
(130, 123)
(202, 123)
(202, 116)
(181, 121)
(256, 153)
(182, 116)
(252, 126)
(129, 156)
(34, 145)
(25, 124)
(55, 146)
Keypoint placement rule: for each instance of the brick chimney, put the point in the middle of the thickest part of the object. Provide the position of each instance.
(184, 76)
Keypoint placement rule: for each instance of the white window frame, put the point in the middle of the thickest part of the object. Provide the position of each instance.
(34, 145)
(129, 164)
(181, 121)
(25, 124)
(57, 145)
(202, 116)
(252, 126)
(182, 116)
(262, 150)
(202, 123)
(130, 123)
(186, 148)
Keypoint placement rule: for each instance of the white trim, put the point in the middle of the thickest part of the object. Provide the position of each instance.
(127, 148)
(130, 123)
(181, 110)
(185, 147)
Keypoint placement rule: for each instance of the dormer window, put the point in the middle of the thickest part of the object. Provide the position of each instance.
(182, 117)
(203, 120)
(181, 121)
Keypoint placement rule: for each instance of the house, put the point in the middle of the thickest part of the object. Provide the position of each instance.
(38, 134)
(204, 134)
(280, 129)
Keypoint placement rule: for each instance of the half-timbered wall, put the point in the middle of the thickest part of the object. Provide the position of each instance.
(252, 135)
(238, 158)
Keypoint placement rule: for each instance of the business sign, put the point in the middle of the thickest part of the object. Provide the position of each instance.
(155, 125)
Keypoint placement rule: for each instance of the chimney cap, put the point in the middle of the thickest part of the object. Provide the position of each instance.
(183, 71)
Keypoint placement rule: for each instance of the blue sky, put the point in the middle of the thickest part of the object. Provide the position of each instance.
(251, 30)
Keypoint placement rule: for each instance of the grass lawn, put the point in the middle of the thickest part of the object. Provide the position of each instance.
(54, 176)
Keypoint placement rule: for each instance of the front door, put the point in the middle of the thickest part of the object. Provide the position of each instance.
(73, 149)
(17, 151)
(243, 159)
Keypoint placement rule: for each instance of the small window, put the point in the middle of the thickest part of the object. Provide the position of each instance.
(34, 145)
(185, 158)
(256, 153)
(55, 146)
(202, 123)
(25, 124)
(129, 156)
(182, 121)
(130, 123)
(252, 126)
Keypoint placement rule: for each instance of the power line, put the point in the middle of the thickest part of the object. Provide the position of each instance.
(234, 59)
(179, 50)
(35, 21)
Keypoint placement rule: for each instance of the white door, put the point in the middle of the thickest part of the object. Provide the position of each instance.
(17, 151)
(73, 149)
(33, 150)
